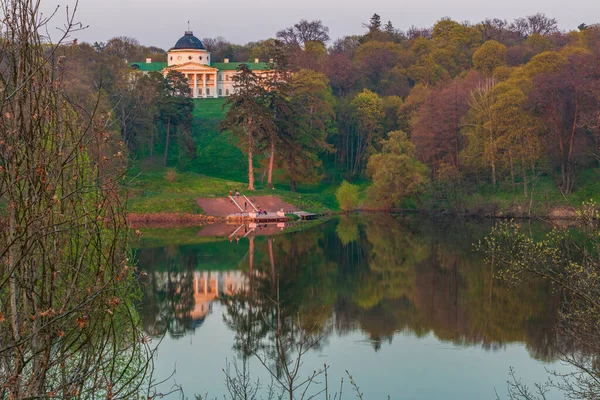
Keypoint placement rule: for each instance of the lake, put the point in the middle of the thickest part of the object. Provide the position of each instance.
(404, 304)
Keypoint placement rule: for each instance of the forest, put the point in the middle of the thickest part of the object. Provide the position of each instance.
(435, 113)
(428, 117)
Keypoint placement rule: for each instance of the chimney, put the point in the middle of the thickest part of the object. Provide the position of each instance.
(270, 61)
(148, 60)
(256, 60)
(226, 61)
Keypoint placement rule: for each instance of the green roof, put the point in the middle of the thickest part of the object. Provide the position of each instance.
(232, 66)
(149, 67)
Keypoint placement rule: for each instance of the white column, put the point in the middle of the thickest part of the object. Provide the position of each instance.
(195, 85)
(204, 85)
(216, 86)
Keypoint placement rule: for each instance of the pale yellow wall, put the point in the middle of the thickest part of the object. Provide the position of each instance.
(176, 57)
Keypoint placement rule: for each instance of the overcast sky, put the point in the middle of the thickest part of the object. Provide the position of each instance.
(162, 22)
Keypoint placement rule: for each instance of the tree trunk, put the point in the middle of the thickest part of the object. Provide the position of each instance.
(250, 155)
(152, 144)
(271, 163)
(292, 172)
(597, 145)
(167, 141)
(512, 169)
(492, 159)
(251, 256)
(272, 259)
(524, 171)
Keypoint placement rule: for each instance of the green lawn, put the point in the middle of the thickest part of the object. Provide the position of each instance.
(151, 192)
(209, 108)
(542, 197)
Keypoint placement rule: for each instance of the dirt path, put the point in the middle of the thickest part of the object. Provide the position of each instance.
(222, 206)
(271, 203)
(218, 206)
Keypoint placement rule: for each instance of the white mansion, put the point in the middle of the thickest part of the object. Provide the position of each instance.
(206, 78)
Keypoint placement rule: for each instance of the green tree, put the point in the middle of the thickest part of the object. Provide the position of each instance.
(248, 115)
(347, 196)
(489, 56)
(395, 172)
(459, 41)
(174, 105)
(517, 131)
(303, 130)
(277, 82)
(367, 110)
(479, 128)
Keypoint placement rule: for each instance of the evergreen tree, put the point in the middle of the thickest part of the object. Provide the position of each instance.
(174, 105)
(248, 115)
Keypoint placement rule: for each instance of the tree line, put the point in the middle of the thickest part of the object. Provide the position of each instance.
(451, 107)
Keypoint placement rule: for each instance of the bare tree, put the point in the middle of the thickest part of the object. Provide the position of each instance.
(571, 264)
(535, 24)
(123, 47)
(303, 32)
(67, 325)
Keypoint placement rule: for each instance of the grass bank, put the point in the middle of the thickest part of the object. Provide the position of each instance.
(544, 199)
(156, 191)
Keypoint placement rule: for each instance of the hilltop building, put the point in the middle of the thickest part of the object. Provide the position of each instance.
(207, 79)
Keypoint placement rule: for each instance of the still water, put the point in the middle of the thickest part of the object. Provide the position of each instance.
(404, 304)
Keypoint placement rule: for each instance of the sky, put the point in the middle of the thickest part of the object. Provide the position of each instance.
(162, 22)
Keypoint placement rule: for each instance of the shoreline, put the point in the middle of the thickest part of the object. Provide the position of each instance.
(174, 219)
(169, 220)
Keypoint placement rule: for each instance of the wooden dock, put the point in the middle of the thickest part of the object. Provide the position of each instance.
(259, 218)
(305, 216)
(263, 217)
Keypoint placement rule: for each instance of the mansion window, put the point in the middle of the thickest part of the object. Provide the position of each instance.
(220, 78)
(200, 57)
(207, 91)
(220, 92)
(226, 92)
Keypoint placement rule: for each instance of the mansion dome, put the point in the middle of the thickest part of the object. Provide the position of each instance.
(206, 78)
(188, 42)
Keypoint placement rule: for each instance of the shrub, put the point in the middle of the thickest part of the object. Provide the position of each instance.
(347, 196)
(171, 175)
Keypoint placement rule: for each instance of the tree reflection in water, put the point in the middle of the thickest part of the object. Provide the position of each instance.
(377, 273)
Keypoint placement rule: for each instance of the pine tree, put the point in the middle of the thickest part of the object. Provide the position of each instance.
(248, 116)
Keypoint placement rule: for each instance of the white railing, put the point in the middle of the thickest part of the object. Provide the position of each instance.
(236, 203)
(251, 204)
(236, 231)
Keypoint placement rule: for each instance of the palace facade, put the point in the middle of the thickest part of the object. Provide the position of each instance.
(207, 79)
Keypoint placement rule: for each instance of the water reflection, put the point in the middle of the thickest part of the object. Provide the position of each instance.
(377, 274)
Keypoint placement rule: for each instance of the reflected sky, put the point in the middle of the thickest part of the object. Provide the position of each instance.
(407, 368)
(404, 304)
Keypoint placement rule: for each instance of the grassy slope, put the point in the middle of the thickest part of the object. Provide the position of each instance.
(219, 167)
(153, 193)
(543, 196)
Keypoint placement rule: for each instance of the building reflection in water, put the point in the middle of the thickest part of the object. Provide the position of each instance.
(208, 286)
(179, 302)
